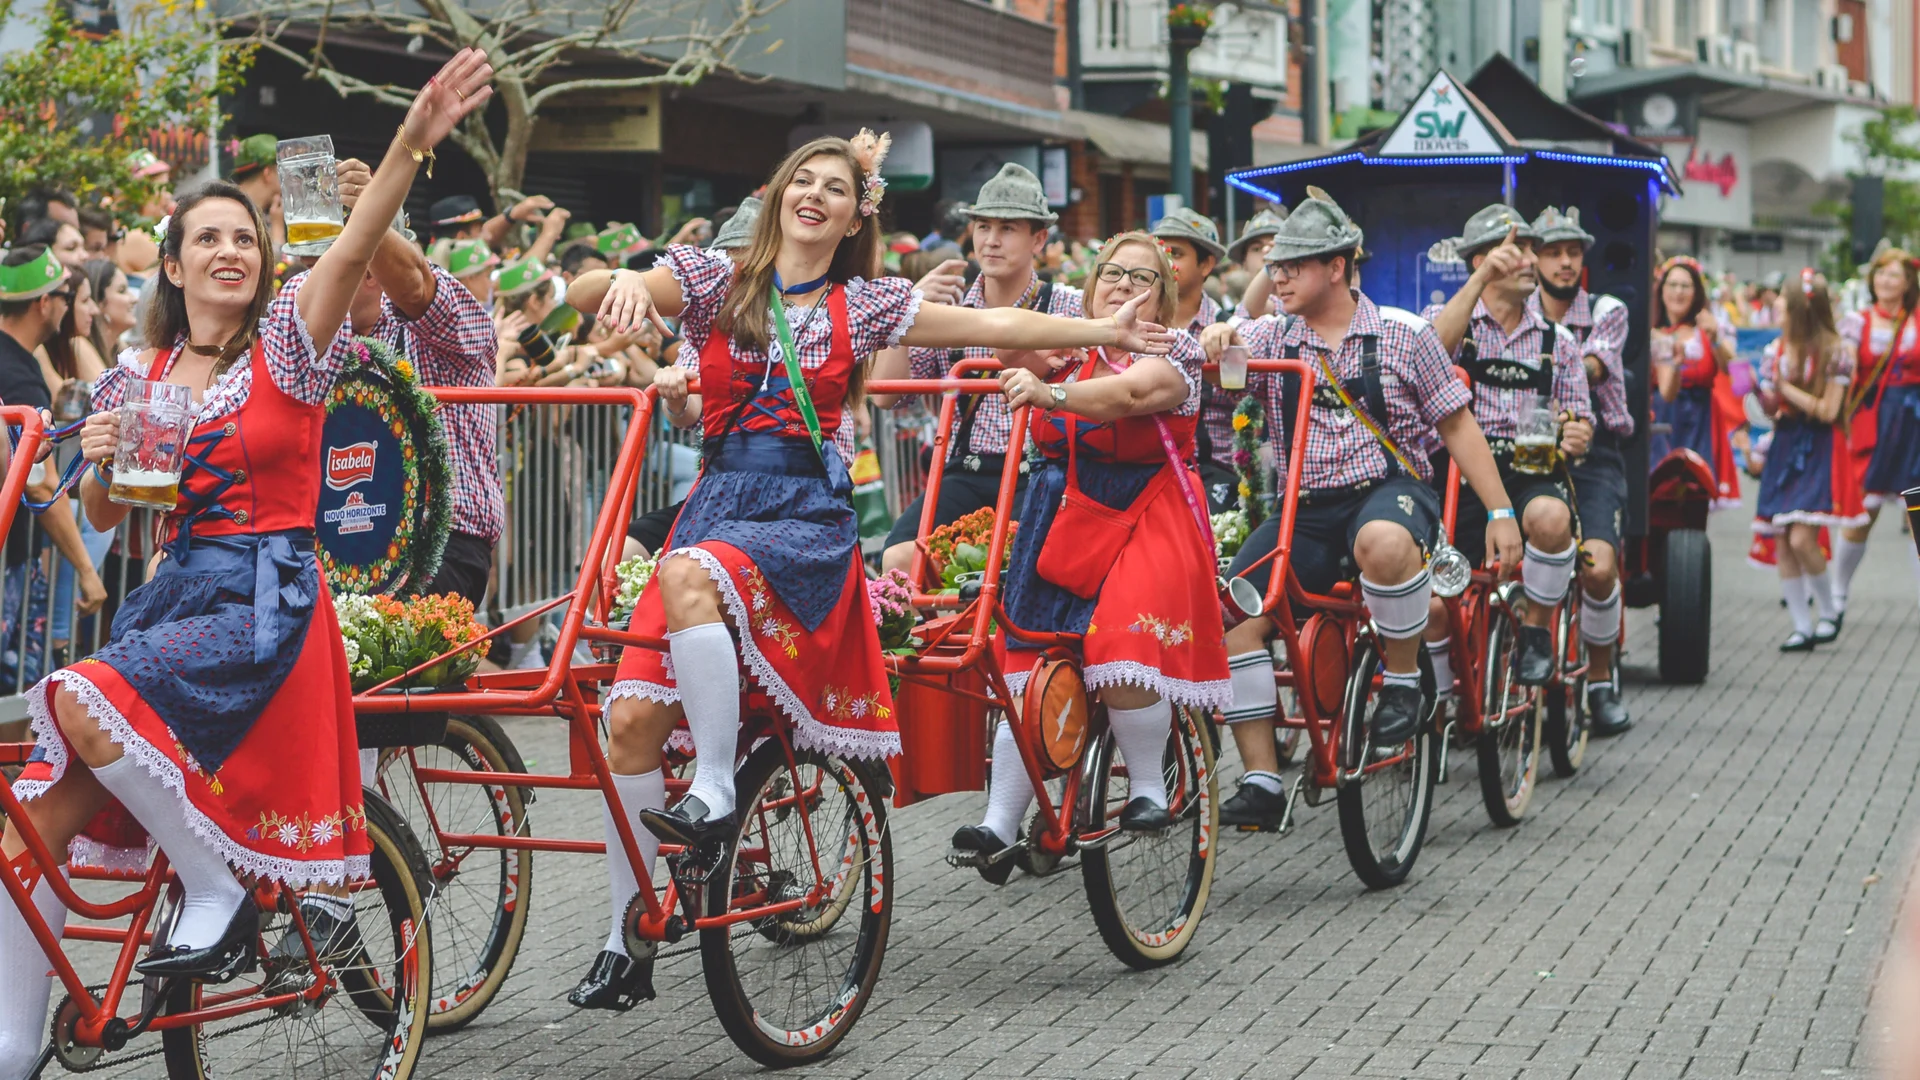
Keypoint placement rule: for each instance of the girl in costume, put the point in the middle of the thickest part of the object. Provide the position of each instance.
(762, 570)
(1803, 383)
(226, 668)
(1883, 403)
(1690, 355)
(1119, 429)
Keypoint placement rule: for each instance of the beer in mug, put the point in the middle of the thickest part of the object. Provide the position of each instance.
(149, 489)
(1533, 454)
(156, 420)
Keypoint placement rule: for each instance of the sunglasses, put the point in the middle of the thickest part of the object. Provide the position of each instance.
(1112, 272)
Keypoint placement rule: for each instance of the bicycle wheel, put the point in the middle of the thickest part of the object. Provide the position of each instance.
(1565, 726)
(373, 1017)
(787, 988)
(480, 895)
(1384, 802)
(1508, 748)
(1148, 890)
(1031, 860)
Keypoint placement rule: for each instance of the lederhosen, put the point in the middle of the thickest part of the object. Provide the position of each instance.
(1600, 482)
(1470, 534)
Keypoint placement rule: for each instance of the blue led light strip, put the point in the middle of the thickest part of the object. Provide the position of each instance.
(1243, 180)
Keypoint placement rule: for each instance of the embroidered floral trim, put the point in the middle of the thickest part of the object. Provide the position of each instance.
(764, 622)
(304, 831)
(1170, 634)
(808, 732)
(844, 705)
(296, 873)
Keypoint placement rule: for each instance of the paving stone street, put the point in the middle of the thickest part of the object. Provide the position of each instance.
(1696, 903)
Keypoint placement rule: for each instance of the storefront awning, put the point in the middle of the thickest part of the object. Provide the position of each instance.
(1135, 142)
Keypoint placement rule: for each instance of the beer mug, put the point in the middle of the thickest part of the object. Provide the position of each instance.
(1233, 367)
(1449, 569)
(1536, 438)
(155, 422)
(309, 194)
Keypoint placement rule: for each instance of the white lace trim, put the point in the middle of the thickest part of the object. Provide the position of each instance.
(295, 873)
(1874, 500)
(1721, 503)
(1762, 527)
(642, 690)
(808, 733)
(1211, 694)
(906, 321)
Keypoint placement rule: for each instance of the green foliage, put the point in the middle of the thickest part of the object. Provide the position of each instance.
(77, 105)
(1888, 143)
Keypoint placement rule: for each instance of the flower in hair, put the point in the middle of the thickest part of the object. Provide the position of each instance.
(1806, 281)
(160, 229)
(870, 151)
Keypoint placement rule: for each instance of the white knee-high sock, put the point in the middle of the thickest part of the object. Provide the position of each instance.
(1255, 695)
(28, 984)
(645, 791)
(1142, 737)
(1012, 789)
(1846, 559)
(706, 668)
(1822, 586)
(1440, 655)
(1546, 575)
(212, 893)
(1798, 595)
(1600, 619)
(369, 768)
(1400, 611)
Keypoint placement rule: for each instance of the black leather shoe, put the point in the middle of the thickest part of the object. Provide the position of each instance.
(1533, 663)
(981, 848)
(233, 955)
(335, 940)
(1254, 809)
(1143, 815)
(1797, 642)
(1396, 717)
(1825, 631)
(616, 982)
(1606, 713)
(1839, 621)
(689, 823)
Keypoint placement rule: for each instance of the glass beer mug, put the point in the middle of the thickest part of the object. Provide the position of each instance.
(1536, 438)
(309, 193)
(155, 422)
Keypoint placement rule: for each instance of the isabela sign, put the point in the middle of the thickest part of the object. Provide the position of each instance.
(1444, 119)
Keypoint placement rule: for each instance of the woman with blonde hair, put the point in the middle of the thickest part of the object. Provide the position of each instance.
(1882, 404)
(1803, 383)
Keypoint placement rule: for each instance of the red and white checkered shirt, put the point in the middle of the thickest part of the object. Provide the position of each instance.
(992, 420)
(1840, 365)
(452, 343)
(1497, 407)
(1599, 323)
(1215, 435)
(1416, 378)
(878, 311)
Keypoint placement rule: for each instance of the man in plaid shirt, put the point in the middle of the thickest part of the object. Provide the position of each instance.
(1384, 389)
(1599, 324)
(1516, 358)
(1194, 248)
(1009, 230)
(435, 322)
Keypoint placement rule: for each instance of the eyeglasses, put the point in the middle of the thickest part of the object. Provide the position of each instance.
(1288, 270)
(1112, 272)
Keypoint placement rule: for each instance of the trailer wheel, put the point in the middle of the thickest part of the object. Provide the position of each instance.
(1686, 607)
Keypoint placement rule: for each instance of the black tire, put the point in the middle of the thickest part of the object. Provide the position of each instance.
(480, 895)
(1686, 607)
(357, 1031)
(1384, 809)
(1566, 727)
(1148, 892)
(788, 988)
(1508, 748)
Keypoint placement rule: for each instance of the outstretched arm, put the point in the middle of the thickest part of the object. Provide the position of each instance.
(622, 299)
(940, 326)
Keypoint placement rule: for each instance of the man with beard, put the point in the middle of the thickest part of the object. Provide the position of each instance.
(1512, 355)
(1599, 324)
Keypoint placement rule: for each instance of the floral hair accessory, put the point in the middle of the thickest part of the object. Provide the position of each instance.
(870, 151)
(1806, 281)
(1687, 261)
(160, 228)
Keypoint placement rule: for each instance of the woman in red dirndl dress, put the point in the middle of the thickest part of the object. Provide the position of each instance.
(217, 723)
(1152, 626)
(762, 571)
(1886, 341)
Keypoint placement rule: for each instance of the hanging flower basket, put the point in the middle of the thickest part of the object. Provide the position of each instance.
(1187, 25)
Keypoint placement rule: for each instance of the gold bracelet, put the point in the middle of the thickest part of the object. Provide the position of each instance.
(419, 156)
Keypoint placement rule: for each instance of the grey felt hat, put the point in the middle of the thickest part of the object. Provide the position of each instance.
(1489, 227)
(1264, 223)
(1317, 226)
(738, 231)
(1192, 226)
(1552, 226)
(1014, 193)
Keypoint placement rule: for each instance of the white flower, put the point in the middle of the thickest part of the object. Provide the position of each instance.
(288, 833)
(323, 831)
(160, 229)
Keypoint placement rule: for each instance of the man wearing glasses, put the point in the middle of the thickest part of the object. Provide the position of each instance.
(1384, 388)
(35, 293)
(1010, 221)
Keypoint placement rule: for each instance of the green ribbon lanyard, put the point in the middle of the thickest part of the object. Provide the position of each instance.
(794, 375)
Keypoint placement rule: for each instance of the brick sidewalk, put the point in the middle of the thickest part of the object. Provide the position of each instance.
(1693, 904)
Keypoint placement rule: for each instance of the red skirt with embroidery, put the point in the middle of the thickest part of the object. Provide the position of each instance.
(830, 684)
(1157, 621)
(284, 806)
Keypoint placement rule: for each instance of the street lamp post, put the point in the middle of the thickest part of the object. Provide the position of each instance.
(1183, 36)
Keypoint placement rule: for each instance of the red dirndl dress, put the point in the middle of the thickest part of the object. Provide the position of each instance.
(244, 706)
(770, 521)
(1156, 622)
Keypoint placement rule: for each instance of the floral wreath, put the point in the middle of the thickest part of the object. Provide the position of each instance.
(870, 151)
(1249, 425)
(1687, 261)
(382, 376)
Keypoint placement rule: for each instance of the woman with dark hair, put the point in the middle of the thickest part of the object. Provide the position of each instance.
(766, 547)
(1883, 403)
(70, 354)
(218, 719)
(1690, 353)
(118, 310)
(1803, 383)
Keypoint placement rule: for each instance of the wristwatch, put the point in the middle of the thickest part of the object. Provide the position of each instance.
(1059, 392)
